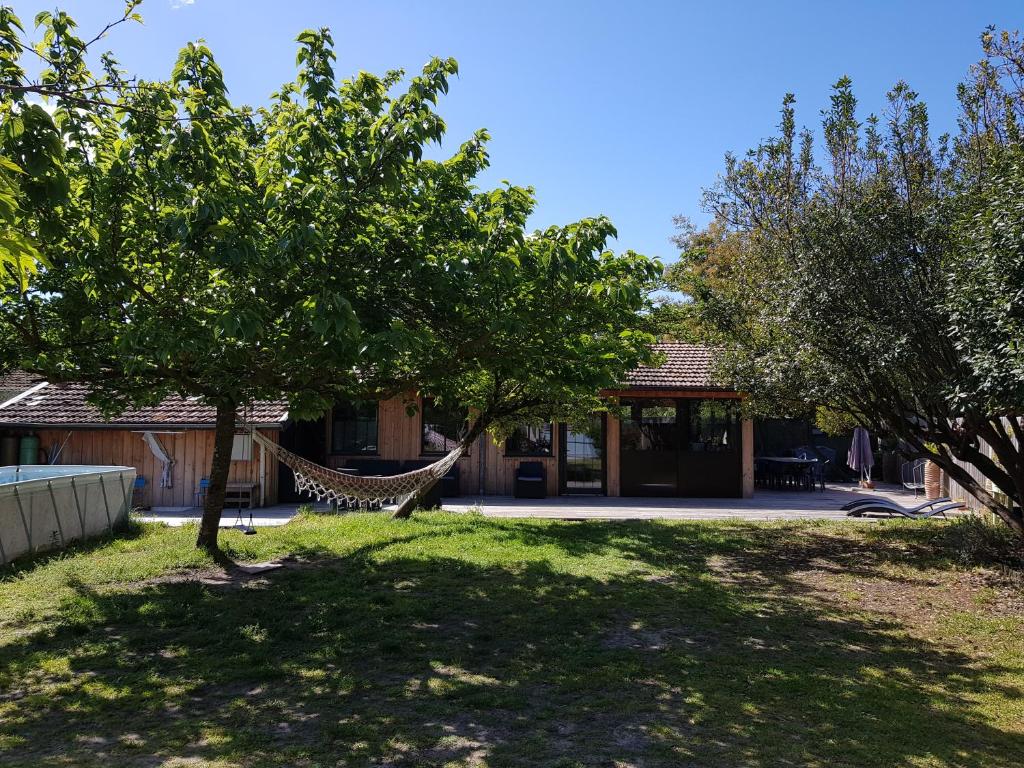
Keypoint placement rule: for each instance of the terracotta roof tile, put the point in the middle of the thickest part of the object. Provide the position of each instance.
(65, 405)
(14, 383)
(686, 366)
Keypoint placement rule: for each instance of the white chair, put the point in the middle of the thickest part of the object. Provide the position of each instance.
(912, 475)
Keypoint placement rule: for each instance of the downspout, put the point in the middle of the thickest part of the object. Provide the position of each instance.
(483, 461)
(263, 476)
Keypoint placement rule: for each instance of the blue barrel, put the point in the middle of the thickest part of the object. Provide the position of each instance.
(29, 451)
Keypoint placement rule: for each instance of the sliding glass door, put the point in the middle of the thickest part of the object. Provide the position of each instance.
(680, 447)
(582, 458)
(710, 462)
(649, 448)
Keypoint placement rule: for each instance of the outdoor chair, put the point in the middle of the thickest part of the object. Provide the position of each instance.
(815, 473)
(204, 486)
(912, 475)
(760, 474)
(818, 472)
(769, 474)
(531, 480)
(877, 505)
(432, 498)
(446, 487)
(450, 487)
(139, 491)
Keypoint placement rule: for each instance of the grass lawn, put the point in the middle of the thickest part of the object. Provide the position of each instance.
(459, 640)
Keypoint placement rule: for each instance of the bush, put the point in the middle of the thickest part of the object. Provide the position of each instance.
(981, 540)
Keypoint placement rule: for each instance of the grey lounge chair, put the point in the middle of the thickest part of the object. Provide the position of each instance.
(879, 500)
(876, 505)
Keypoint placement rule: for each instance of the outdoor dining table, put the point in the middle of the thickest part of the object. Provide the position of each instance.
(794, 467)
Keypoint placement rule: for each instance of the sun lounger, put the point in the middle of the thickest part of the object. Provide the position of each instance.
(874, 501)
(920, 512)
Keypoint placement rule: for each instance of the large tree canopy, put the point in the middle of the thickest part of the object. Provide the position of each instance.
(305, 248)
(882, 276)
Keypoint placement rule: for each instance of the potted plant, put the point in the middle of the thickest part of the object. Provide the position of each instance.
(932, 476)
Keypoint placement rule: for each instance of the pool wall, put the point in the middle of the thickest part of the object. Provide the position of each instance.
(48, 507)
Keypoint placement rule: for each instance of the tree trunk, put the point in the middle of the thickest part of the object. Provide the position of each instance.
(224, 435)
(405, 509)
(1010, 512)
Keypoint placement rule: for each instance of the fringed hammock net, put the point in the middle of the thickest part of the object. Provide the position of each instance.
(341, 487)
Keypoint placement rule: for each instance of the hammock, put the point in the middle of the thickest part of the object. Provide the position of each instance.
(330, 484)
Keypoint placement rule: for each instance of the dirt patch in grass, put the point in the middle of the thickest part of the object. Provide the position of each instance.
(239, 575)
(632, 634)
(921, 602)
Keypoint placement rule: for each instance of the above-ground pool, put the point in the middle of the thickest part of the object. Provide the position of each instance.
(48, 506)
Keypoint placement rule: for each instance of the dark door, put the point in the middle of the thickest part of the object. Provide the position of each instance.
(581, 465)
(649, 448)
(305, 438)
(710, 458)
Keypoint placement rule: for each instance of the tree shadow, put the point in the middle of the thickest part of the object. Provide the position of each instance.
(127, 530)
(427, 660)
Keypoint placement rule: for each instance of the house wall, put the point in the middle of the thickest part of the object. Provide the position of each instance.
(191, 449)
(957, 492)
(399, 437)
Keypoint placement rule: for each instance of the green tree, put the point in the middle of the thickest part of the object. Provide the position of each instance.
(29, 128)
(543, 325)
(306, 248)
(880, 276)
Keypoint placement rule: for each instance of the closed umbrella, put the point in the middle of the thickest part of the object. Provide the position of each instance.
(861, 458)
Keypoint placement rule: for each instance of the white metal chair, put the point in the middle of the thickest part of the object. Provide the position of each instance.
(912, 475)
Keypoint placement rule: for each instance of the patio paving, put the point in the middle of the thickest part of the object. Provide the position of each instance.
(278, 514)
(766, 505)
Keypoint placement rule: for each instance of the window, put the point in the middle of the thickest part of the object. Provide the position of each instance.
(354, 428)
(241, 448)
(529, 440)
(443, 427)
(649, 426)
(714, 426)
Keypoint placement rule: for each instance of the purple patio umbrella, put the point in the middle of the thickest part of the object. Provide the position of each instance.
(861, 458)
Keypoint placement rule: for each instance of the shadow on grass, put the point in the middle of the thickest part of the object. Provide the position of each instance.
(126, 530)
(426, 660)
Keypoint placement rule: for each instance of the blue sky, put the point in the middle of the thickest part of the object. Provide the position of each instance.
(621, 108)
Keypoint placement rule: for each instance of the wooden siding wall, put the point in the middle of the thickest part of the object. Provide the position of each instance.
(191, 449)
(957, 492)
(613, 431)
(747, 446)
(398, 435)
(398, 438)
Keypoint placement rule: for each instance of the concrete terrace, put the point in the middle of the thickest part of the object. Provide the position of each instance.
(765, 505)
